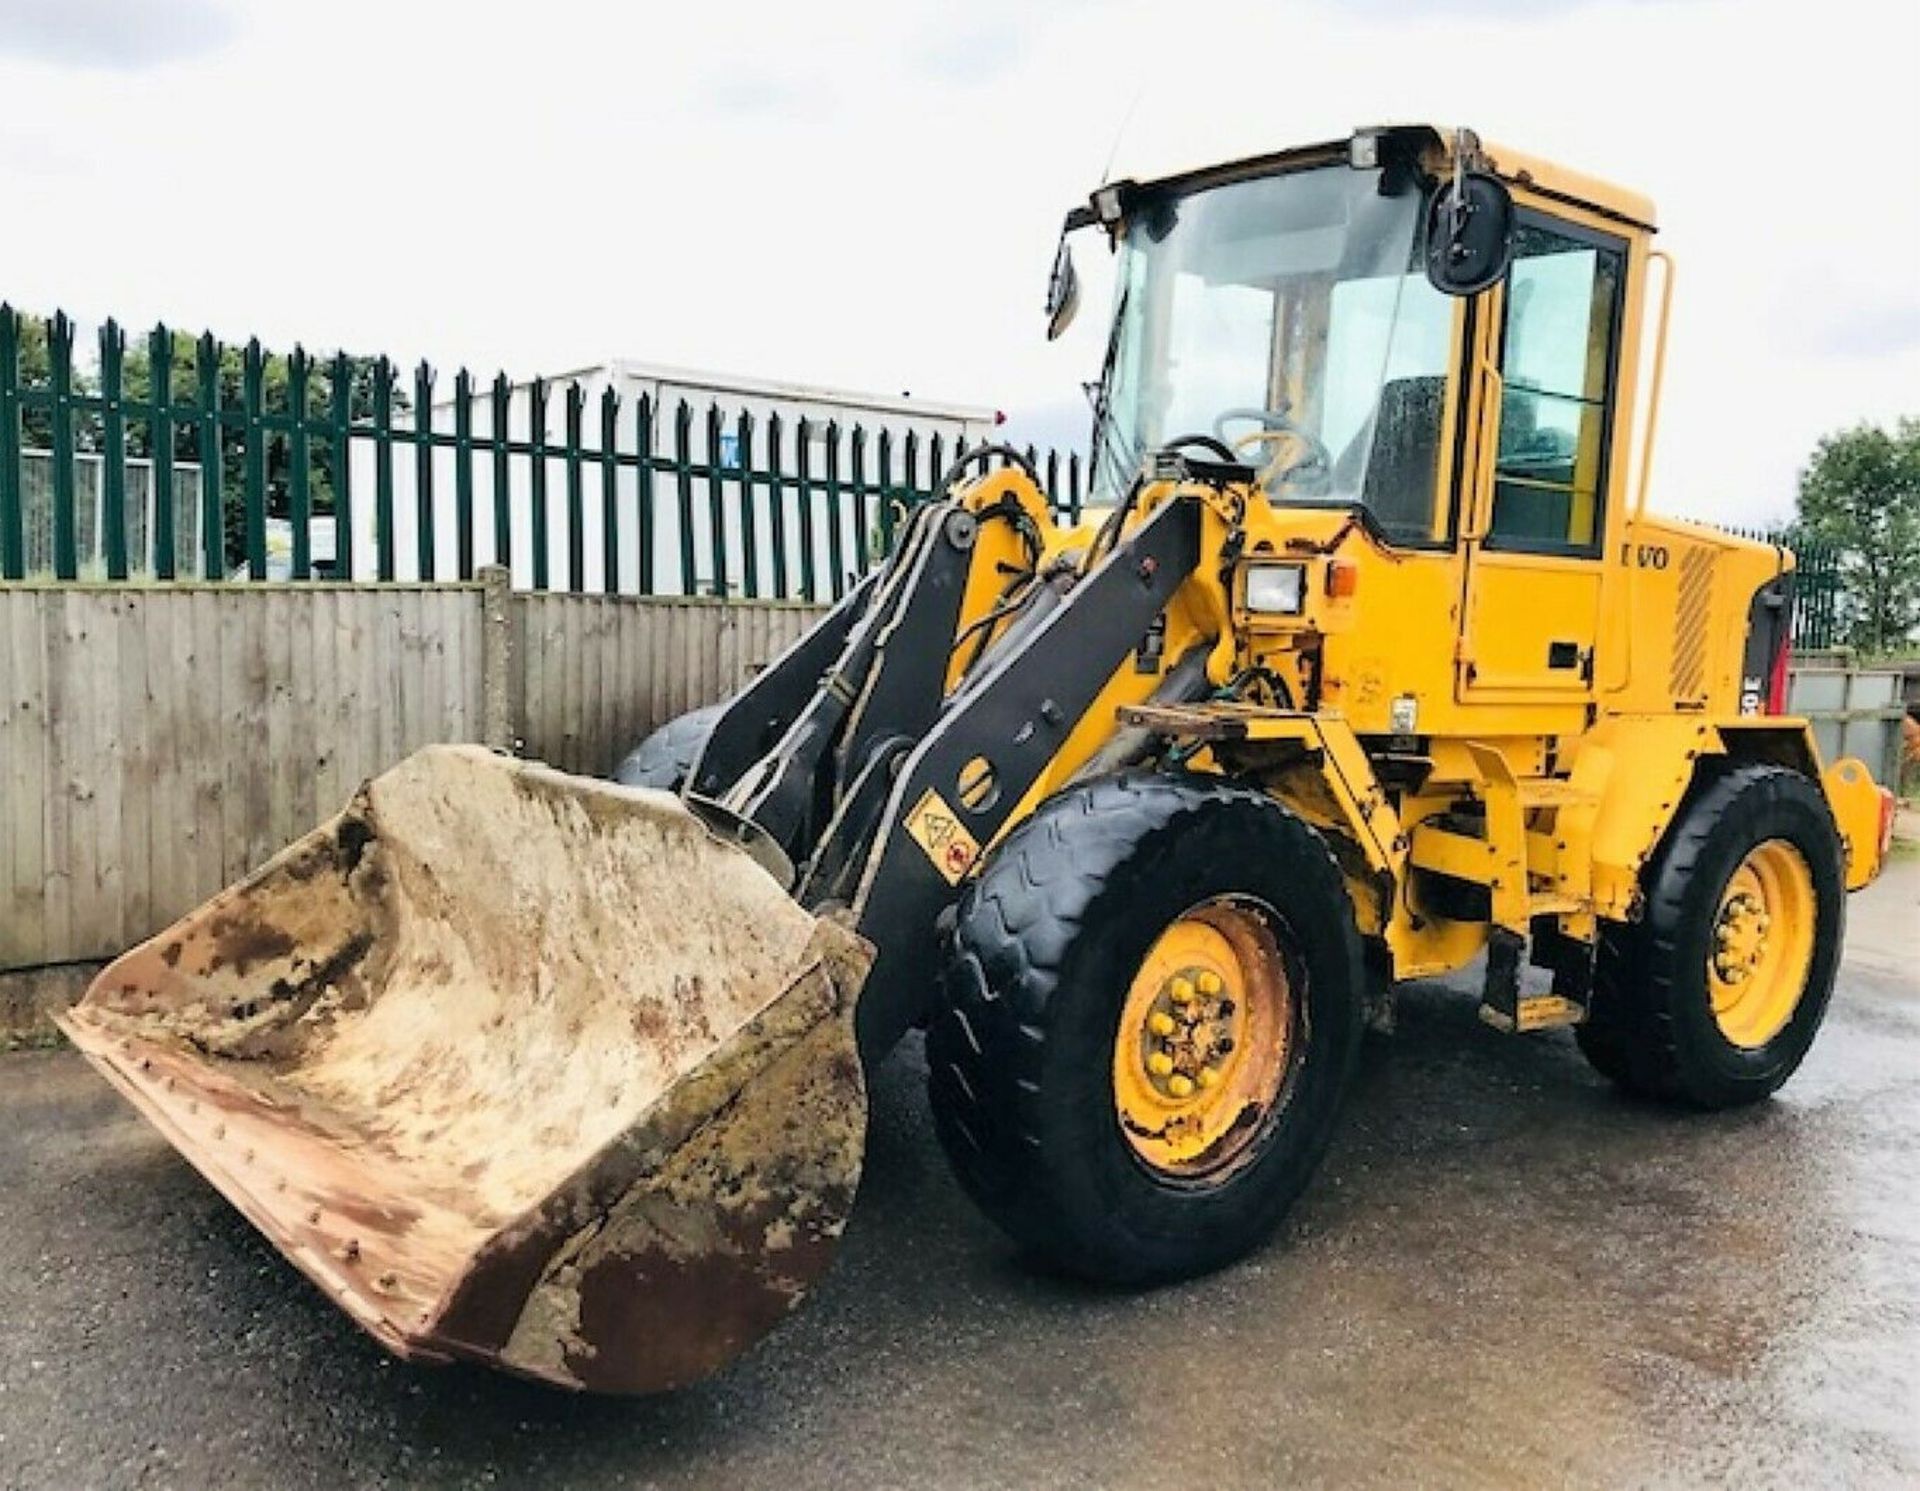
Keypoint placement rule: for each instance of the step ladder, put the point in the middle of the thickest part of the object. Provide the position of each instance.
(1544, 918)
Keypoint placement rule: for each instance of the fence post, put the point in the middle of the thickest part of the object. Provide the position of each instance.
(383, 544)
(609, 491)
(643, 468)
(299, 474)
(502, 439)
(683, 493)
(777, 506)
(163, 539)
(253, 458)
(13, 528)
(426, 556)
(836, 541)
(576, 411)
(66, 560)
(339, 434)
(803, 468)
(537, 439)
(887, 498)
(496, 658)
(716, 504)
(749, 528)
(113, 469)
(862, 556)
(463, 473)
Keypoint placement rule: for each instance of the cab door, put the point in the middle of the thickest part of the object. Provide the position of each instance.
(1535, 514)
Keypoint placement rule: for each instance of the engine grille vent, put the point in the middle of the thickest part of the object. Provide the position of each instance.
(1692, 621)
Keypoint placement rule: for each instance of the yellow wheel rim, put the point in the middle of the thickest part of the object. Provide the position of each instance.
(1762, 944)
(1206, 1039)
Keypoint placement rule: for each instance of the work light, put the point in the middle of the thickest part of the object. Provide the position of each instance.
(1277, 589)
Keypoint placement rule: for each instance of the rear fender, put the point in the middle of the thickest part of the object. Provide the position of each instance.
(1862, 810)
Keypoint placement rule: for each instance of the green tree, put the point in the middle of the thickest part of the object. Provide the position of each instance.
(276, 393)
(1860, 492)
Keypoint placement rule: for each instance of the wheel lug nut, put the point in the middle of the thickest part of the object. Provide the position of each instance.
(1209, 983)
(1180, 991)
(1209, 1076)
(1160, 1064)
(1180, 1085)
(1161, 1023)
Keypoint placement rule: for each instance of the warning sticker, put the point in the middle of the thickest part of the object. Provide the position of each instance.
(936, 829)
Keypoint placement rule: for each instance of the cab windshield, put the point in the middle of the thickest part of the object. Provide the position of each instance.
(1288, 318)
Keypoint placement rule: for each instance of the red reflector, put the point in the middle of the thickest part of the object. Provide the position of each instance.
(1777, 680)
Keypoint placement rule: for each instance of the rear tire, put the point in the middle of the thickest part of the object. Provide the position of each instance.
(664, 760)
(1028, 1051)
(1692, 1004)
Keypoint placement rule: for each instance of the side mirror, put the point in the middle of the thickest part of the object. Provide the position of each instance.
(1469, 233)
(1063, 291)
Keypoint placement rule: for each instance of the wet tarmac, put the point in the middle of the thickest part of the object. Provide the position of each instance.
(1505, 1275)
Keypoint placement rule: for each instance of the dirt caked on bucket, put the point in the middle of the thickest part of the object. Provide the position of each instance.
(519, 1067)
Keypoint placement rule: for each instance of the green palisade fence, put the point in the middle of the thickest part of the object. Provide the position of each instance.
(180, 458)
(108, 471)
(1819, 586)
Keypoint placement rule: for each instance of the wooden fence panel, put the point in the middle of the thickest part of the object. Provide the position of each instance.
(158, 742)
(598, 672)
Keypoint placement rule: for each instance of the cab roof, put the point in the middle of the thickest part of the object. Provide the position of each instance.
(1437, 146)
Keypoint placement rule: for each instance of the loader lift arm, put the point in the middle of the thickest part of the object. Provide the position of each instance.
(881, 741)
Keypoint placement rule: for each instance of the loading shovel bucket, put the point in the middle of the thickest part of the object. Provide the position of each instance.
(519, 1067)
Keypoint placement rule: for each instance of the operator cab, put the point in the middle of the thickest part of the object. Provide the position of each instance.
(1430, 333)
(1284, 308)
(1287, 317)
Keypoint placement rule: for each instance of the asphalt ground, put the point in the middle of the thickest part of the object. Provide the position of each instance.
(1505, 1275)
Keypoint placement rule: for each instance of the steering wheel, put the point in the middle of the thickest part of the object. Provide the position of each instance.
(1207, 443)
(1311, 461)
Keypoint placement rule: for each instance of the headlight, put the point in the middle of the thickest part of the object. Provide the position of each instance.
(1277, 589)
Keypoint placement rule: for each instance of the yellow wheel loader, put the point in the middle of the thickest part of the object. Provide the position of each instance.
(1368, 663)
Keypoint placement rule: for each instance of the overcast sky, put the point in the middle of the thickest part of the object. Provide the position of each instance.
(867, 193)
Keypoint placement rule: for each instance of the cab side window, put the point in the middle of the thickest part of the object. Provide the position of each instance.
(1562, 319)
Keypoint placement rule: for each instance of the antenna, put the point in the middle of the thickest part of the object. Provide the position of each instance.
(1120, 132)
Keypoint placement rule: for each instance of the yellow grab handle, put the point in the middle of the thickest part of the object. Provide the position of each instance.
(1479, 515)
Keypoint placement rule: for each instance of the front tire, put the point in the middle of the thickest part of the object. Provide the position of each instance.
(664, 760)
(1151, 1012)
(1713, 998)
